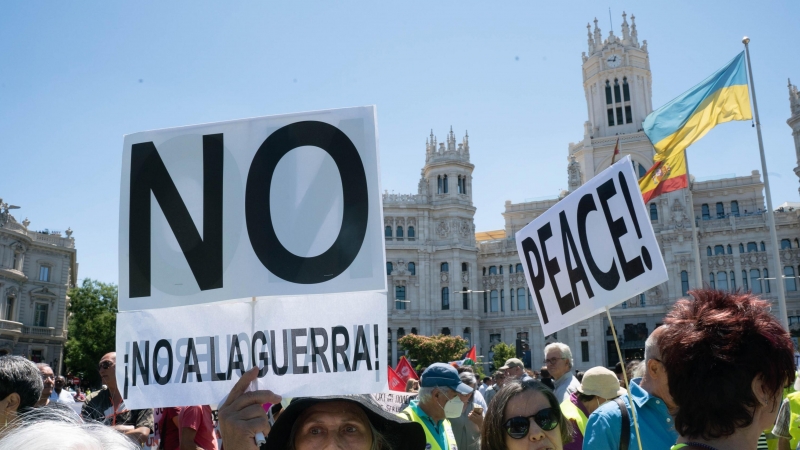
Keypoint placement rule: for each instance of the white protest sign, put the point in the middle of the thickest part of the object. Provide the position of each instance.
(393, 402)
(280, 205)
(592, 250)
(193, 355)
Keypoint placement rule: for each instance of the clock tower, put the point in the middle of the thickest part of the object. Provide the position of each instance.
(618, 88)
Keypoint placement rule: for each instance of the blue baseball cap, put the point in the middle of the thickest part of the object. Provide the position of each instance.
(441, 374)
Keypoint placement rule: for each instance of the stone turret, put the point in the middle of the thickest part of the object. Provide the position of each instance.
(794, 122)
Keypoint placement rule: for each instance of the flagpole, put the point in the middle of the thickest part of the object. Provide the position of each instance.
(770, 213)
(695, 244)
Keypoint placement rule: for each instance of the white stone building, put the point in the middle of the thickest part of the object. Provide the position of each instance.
(444, 278)
(37, 268)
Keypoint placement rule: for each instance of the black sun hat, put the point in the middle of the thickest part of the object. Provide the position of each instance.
(401, 434)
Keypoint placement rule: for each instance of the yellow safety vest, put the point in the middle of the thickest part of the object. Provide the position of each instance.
(572, 412)
(432, 444)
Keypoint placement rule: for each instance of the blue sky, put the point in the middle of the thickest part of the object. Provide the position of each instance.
(76, 76)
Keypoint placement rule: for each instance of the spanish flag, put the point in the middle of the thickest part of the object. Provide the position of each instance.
(720, 98)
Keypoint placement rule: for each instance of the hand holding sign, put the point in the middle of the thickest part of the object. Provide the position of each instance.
(614, 241)
(241, 417)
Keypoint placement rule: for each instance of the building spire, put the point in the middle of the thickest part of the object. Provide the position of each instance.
(634, 34)
(598, 37)
(589, 39)
(625, 29)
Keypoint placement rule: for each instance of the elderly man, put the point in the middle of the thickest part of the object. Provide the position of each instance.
(499, 378)
(515, 370)
(20, 387)
(609, 425)
(558, 360)
(107, 406)
(48, 380)
(441, 396)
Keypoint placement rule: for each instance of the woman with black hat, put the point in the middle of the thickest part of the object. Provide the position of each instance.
(344, 421)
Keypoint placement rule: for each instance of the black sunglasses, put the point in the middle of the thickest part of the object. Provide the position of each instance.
(104, 365)
(518, 427)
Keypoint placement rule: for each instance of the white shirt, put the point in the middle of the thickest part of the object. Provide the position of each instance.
(483, 388)
(64, 397)
(479, 400)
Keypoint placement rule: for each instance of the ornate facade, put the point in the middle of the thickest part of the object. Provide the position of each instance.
(444, 278)
(37, 268)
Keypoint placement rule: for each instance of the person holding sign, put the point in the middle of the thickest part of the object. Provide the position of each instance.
(525, 415)
(611, 425)
(442, 396)
(729, 360)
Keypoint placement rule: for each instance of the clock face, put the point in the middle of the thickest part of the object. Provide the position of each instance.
(614, 61)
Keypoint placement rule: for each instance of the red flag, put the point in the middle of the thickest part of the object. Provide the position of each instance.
(395, 382)
(616, 152)
(472, 354)
(405, 370)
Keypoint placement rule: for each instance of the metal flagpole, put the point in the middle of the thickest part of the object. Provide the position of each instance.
(695, 243)
(770, 213)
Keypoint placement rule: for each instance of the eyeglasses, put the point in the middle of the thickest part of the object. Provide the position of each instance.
(552, 361)
(104, 365)
(48, 377)
(518, 427)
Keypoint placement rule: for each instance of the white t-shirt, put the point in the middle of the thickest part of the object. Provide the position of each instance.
(64, 397)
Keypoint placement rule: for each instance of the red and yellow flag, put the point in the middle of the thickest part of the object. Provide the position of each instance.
(665, 176)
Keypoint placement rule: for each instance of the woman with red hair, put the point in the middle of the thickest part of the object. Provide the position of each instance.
(727, 359)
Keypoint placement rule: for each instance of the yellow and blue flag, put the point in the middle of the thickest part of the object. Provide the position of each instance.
(720, 98)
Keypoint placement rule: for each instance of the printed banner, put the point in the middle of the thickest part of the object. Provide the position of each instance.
(280, 205)
(312, 345)
(393, 402)
(592, 250)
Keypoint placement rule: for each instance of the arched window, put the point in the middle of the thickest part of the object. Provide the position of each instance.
(653, 211)
(786, 243)
(722, 281)
(752, 247)
(511, 299)
(642, 299)
(766, 281)
(444, 184)
(389, 268)
(518, 268)
(711, 282)
(439, 180)
(502, 299)
(465, 298)
(617, 97)
(706, 213)
(684, 282)
(763, 248)
(400, 297)
(708, 251)
(510, 268)
(445, 267)
(464, 184)
(791, 282)
(412, 268)
(520, 299)
(414, 331)
(411, 234)
(733, 281)
(741, 248)
(720, 210)
(445, 298)
(735, 208)
(501, 270)
(494, 301)
(387, 232)
(458, 185)
(530, 300)
(730, 250)
(609, 100)
(626, 93)
(484, 271)
(796, 243)
(446, 331)
(463, 267)
(467, 337)
(744, 280)
(492, 270)
(485, 302)
(399, 233)
(755, 281)
(719, 250)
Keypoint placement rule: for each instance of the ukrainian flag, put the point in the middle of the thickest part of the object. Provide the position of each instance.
(720, 98)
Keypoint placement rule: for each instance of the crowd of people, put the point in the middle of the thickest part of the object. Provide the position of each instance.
(718, 374)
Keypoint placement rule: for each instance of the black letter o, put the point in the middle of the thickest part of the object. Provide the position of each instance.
(273, 255)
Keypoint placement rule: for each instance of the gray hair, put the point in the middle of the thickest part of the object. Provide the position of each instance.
(43, 365)
(566, 353)
(468, 378)
(425, 393)
(651, 349)
(20, 376)
(57, 427)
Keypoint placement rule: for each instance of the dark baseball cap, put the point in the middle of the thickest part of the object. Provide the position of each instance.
(443, 375)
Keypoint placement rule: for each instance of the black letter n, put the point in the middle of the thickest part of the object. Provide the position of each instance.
(204, 255)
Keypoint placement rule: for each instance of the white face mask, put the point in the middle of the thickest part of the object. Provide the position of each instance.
(453, 407)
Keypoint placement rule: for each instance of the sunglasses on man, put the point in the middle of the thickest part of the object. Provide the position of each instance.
(518, 427)
(104, 365)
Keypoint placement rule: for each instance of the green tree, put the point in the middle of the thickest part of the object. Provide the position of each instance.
(426, 350)
(502, 352)
(92, 327)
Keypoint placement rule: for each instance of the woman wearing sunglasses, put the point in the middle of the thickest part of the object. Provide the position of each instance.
(525, 415)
